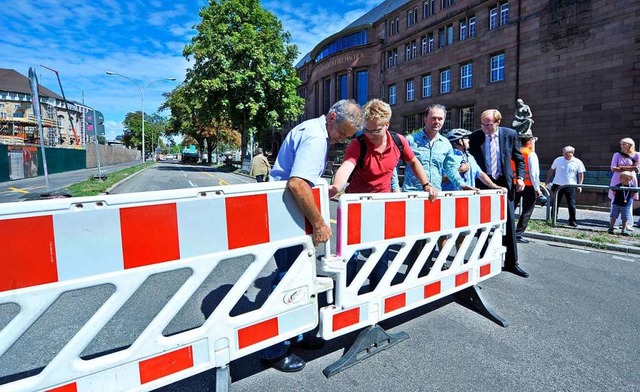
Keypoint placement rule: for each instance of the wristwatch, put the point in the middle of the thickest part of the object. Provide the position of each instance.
(425, 185)
(519, 178)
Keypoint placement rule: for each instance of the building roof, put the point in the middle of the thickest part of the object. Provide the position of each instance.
(368, 19)
(13, 81)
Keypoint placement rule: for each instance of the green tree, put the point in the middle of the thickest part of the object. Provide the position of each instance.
(242, 72)
(154, 126)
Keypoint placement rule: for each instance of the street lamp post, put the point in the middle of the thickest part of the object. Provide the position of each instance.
(142, 90)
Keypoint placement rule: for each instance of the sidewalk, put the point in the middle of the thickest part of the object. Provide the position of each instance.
(590, 233)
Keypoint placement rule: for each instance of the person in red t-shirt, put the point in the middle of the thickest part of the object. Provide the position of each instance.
(380, 160)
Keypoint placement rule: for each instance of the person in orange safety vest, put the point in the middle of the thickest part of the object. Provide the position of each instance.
(531, 190)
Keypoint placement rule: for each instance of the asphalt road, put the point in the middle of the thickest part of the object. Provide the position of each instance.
(574, 325)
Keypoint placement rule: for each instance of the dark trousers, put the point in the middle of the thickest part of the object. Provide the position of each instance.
(570, 195)
(260, 178)
(509, 238)
(528, 199)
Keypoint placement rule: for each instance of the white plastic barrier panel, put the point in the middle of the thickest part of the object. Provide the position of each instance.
(53, 247)
(456, 242)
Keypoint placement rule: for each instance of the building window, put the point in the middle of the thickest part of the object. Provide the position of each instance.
(467, 28)
(409, 123)
(446, 3)
(466, 76)
(394, 26)
(493, 18)
(342, 87)
(410, 90)
(497, 68)
(411, 51)
(362, 87)
(393, 93)
(343, 43)
(466, 118)
(504, 14)
(392, 58)
(441, 38)
(445, 81)
(326, 95)
(424, 46)
(450, 35)
(431, 43)
(446, 126)
(412, 16)
(426, 86)
(428, 8)
(472, 26)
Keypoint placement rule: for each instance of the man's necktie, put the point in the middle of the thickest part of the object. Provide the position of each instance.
(494, 156)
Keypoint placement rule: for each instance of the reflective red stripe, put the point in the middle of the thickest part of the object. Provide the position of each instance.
(257, 333)
(394, 303)
(462, 278)
(395, 219)
(502, 206)
(65, 388)
(462, 212)
(149, 234)
(432, 216)
(485, 209)
(354, 223)
(316, 199)
(163, 365)
(432, 289)
(346, 318)
(28, 252)
(485, 270)
(247, 220)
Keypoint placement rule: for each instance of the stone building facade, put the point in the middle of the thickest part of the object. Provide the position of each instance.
(574, 62)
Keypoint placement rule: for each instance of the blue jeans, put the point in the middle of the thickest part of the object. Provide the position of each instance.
(376, 274)
(285, 258)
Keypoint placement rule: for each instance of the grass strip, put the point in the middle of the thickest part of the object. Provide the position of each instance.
(96, 186)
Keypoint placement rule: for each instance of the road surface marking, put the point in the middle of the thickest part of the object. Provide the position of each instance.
(333, 221)
(18, 190)
(223, 182)
(624, 259)
(580, 250)
(192, 184)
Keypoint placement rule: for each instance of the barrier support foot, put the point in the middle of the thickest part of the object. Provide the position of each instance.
(370, 341)
(474, 299)
(223, 379)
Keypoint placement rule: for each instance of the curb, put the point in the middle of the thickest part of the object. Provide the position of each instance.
(584, 243)
(112, 187)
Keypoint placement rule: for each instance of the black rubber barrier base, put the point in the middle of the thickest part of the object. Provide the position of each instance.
(370, 341)
(474, 299)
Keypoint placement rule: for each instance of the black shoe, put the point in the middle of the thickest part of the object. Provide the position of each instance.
(573, 224)
(288, 363)
(522, 240)
(309, 343)
(517, 271)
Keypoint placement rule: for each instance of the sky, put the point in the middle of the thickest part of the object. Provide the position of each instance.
(140, 39)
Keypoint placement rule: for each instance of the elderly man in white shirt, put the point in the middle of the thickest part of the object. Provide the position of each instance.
(566, 170)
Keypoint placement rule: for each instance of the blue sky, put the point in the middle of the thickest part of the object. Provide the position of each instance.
(142, 39)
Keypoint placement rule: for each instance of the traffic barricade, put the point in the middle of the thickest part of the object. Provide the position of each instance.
(434, 249)
(52, 250)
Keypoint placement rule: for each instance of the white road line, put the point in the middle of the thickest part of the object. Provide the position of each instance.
(580, 250)
(192, 184)
(624, 258)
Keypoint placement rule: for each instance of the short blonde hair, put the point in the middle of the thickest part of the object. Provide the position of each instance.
(377, 109)
(629, 141)
(628, 174)
(493, 113)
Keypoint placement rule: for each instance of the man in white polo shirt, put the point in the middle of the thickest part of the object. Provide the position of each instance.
(566, 170)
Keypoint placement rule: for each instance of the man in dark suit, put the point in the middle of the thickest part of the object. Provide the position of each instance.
(494, 147)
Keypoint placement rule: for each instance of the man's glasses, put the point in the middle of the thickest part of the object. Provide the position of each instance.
(375, 131)
(488, 124)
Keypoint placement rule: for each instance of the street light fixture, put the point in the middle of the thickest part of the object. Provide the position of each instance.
(142, 90)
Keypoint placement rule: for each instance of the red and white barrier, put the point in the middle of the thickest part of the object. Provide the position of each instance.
(375, 221)
(57, 246)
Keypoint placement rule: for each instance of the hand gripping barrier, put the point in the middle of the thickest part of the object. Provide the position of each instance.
(466, 226)
(52, 250)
